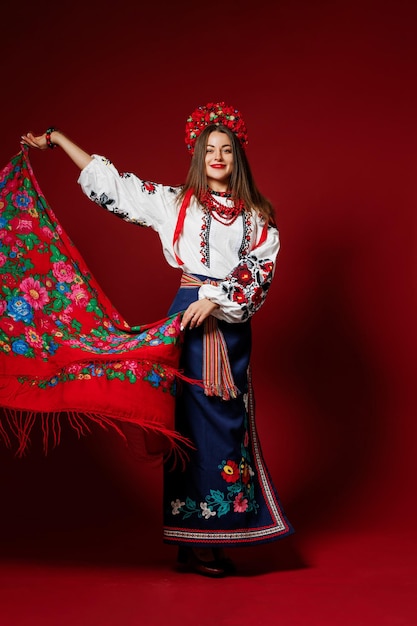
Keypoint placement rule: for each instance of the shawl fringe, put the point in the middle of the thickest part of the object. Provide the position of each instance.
(16, 428)
(66, 354)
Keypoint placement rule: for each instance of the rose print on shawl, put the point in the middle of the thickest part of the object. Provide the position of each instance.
(248, 283)
(60, 301)
(57, 328)
(34, 293)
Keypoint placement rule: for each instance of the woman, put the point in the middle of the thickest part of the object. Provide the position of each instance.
(220, 231)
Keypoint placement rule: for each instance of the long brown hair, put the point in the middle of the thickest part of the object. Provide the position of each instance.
(242, 185)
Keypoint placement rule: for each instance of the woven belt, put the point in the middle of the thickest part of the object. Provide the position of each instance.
(217, 373)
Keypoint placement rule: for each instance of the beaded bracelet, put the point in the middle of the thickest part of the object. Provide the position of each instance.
(49, 143)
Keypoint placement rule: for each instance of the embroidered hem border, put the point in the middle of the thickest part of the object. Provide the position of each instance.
(278, 528)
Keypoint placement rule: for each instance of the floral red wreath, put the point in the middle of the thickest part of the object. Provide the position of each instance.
(214, 113)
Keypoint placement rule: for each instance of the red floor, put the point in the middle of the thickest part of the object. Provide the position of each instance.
(338, 580)
(80, 545)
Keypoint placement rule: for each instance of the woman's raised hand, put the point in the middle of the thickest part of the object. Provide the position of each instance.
(35, 142)
(56, 138)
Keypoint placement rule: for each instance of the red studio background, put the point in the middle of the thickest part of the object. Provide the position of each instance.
(328, 92)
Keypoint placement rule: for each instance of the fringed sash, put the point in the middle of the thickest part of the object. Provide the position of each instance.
(217, 373)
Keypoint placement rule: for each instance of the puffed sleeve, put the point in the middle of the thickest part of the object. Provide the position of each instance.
(134, 200)
(245, 288)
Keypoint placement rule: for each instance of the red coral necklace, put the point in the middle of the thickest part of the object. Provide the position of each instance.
(224, 213)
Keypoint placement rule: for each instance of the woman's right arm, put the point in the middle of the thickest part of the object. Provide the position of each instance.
(75, 153)
(134, 200)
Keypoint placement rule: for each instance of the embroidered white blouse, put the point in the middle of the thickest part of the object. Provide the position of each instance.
(205, 245)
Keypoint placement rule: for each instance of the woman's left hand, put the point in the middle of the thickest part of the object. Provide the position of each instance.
(197, 312)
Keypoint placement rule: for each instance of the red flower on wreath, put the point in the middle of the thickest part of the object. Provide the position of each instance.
(230, 471)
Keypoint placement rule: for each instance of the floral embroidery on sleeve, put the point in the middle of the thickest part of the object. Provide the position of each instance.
(109, 204)
(113, 199)
(148, 187)
(248, 283)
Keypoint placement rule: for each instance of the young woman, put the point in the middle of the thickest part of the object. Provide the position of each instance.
(220, 231)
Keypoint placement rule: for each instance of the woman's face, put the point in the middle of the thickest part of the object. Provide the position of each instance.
(219, 161)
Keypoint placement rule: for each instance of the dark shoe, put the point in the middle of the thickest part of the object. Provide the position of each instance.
(189, 561)
(227, 564)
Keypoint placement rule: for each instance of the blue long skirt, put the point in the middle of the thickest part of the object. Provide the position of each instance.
(224, 496)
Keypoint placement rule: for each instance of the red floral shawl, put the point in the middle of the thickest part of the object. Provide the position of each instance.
(65, 352)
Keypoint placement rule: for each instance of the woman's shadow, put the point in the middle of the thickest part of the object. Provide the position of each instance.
(327, 364)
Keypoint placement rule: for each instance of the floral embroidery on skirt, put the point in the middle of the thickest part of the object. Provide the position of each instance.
(225, 495)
